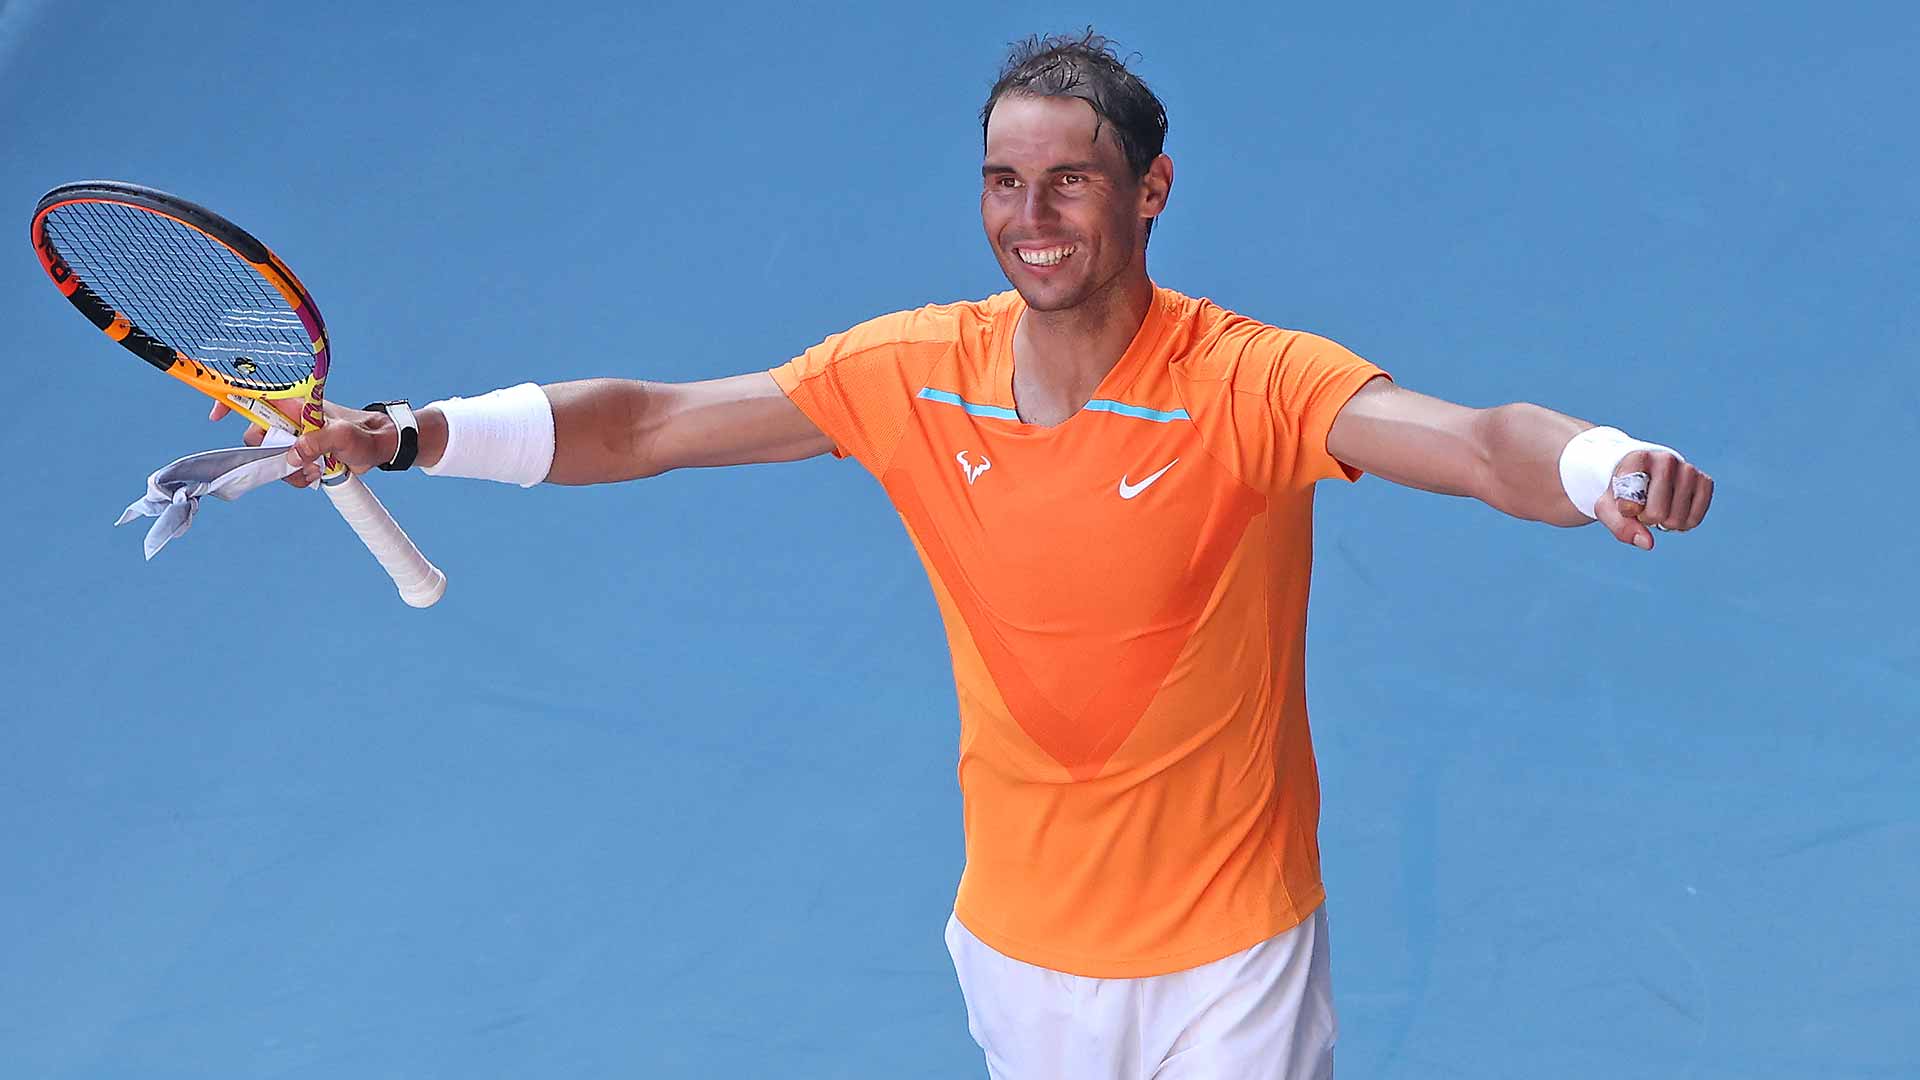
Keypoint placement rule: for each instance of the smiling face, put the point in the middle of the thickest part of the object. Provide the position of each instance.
(1065, 214)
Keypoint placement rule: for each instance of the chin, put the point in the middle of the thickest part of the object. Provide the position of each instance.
(1038, 301)
(1049, 302)
(1044, 298)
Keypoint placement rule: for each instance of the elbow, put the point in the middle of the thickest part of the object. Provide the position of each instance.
(1490, 437)
(1517, 450)
(604, 431)
(634, 439)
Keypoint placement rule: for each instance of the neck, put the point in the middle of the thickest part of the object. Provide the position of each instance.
(1059, 357)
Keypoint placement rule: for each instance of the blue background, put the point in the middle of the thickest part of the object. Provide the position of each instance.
(664, 787)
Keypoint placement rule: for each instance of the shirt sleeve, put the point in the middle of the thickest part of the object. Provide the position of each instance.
(1265, 398)
(858, 386)
(1314, 378)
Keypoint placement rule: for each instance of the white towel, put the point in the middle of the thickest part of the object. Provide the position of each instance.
(174, 492)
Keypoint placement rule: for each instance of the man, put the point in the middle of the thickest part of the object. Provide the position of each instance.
(1111, 487)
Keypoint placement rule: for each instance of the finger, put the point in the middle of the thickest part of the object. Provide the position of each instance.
(1625, 527)
(253, 435)
(1702, 498)
(1635, 462)
(304, 476)
(220, 410)
(1680, 506)
(1659, 489)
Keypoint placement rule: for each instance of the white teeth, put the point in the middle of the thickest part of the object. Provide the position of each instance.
(1046, 257)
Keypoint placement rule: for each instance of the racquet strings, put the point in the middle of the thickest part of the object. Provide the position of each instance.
(182, 287)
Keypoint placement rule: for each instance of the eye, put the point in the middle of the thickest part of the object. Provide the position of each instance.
(1073, 180)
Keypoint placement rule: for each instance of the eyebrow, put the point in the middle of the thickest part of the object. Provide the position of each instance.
(1072, 166)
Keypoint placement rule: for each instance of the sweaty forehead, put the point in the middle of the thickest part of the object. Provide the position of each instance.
(1040, 132)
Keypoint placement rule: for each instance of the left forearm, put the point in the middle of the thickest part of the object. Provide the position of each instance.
(1520, 447)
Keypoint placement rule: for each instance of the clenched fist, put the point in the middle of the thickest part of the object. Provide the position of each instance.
(1678, 495)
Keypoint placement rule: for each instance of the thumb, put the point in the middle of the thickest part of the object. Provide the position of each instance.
(310, 447)
(344, 442)
(1622, 519)
(1622, 516)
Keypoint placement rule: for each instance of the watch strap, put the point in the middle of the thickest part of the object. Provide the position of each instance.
(401, 413)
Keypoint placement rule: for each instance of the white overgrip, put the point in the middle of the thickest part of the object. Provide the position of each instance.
(421, 583)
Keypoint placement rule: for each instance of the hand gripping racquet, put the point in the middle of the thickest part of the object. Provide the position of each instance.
(196, 296)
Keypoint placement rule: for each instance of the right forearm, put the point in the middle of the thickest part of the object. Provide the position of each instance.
(600, 431)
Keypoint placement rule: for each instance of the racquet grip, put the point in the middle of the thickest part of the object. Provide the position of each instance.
(421, 583)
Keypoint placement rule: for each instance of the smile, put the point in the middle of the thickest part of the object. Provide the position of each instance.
(1044, 256)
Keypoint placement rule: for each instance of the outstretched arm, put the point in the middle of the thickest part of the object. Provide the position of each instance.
(1507, 457)
(616, 429)
(605, 430)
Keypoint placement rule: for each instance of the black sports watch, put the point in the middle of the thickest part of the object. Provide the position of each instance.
(402, 415)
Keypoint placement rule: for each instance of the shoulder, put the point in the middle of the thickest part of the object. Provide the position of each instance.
(1237, 352)
(960, 322)
(899, 344)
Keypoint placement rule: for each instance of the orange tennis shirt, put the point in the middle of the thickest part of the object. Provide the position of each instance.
(1125, 597)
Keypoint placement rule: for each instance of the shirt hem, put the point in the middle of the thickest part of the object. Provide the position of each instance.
(1240, 938)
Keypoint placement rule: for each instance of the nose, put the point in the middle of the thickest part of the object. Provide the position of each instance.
(1037, 208)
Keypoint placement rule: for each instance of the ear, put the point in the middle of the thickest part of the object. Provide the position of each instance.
(1156, 186)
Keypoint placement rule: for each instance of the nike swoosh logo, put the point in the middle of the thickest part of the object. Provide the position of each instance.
(1128, 491)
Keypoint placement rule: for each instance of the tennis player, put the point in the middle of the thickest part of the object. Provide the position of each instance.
(1111, 486)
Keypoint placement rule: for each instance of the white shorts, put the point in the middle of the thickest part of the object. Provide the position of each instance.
(1265, 1013)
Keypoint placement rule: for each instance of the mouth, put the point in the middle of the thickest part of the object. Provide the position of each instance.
(1042, 260)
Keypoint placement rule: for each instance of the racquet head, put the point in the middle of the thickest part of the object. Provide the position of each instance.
(192, 294)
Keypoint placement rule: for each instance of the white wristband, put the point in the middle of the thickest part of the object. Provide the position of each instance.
(1587, 463)
(506, 435)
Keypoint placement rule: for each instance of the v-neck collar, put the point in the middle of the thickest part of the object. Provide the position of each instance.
(1145, 343)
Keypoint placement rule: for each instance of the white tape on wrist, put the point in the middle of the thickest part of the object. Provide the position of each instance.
(1588, 462)
(506, 435)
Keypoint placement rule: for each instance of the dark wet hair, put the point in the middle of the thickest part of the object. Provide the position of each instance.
(1088, 68)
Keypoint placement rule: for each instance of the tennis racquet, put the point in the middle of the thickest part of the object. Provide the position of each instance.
(196, 296)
